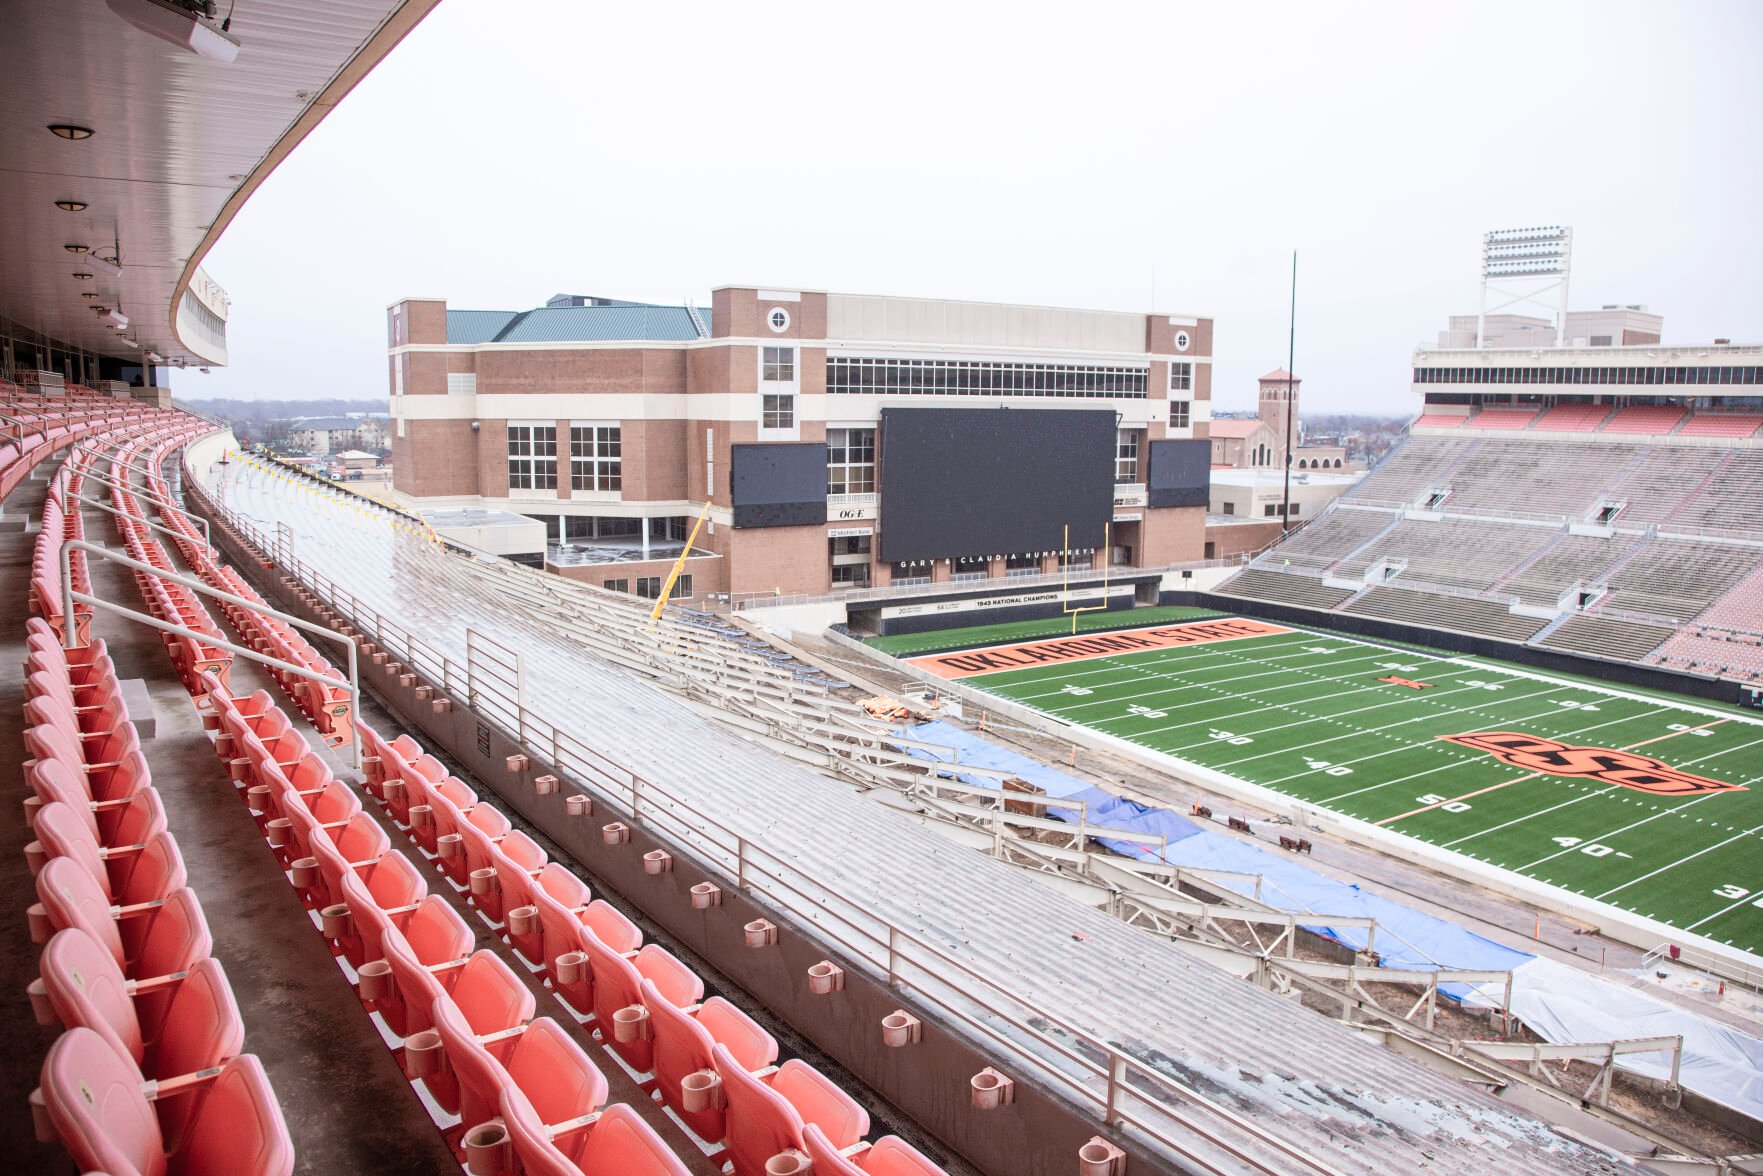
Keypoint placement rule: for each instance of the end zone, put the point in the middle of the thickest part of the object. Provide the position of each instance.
(1024, 654)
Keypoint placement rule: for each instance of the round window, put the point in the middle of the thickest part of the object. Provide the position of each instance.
(778, 318)
(1181, 340)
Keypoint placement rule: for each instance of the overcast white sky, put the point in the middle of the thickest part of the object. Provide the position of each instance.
(1135, 157)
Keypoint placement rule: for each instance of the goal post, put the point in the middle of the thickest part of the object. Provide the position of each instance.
(1074, 612)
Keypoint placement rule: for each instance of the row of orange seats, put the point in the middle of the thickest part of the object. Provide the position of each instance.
(409, 949)
(148, 1076)
(704, 1059)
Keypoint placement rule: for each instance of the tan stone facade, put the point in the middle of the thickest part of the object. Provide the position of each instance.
(470, 388)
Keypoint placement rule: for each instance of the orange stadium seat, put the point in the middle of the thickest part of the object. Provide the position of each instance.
(618, 984)
(684, 1042)
(619, 1143)
(766, 1118)
(95, 1100)
(193, 1019)
(889, 1156)
(61, 833)
(540, 1060)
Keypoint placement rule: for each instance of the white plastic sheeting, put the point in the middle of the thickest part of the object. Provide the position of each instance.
(1563, 1004)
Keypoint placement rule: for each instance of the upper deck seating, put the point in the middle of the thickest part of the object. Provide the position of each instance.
(1721, 424)
(1572, 418)
(1645, 418)
(1503, 418)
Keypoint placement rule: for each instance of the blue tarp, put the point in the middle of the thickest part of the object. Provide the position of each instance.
(1406, 938)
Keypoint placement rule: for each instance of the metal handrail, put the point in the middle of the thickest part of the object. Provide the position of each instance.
(70, 636)
(207, 534)
(654, 804)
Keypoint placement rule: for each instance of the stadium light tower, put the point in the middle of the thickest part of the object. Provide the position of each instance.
(1521, 265)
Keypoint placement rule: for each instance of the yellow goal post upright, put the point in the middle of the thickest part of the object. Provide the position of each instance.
(1065, 573)
(679, 564)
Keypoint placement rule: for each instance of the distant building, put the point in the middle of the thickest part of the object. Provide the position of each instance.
(1261, 443)
(322, 435)
(1608, 326)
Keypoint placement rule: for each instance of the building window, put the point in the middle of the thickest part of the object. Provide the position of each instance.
(1126, 456)
(778, 363)
(649, 587)
(532, 457)
(851, 576)
(777, 411)
(875, 376)
(596, 457)
(616, 585)
(1181, 340)
(1230, 508)
(461, 384)
(1181, 377)
(1270, 509)
(778, 319)
(971, 567)
(1180, 415)
(912, 572)
(850, 461)
(1022, 565)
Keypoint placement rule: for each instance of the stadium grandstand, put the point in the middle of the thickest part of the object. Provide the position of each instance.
(1602, 501)
(346, 847)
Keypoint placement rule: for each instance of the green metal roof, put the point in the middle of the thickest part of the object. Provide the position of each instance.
(576, 324)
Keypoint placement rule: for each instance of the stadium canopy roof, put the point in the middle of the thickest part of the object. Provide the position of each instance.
(177, 143)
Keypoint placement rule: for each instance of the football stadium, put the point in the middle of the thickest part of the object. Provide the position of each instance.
(835, 734)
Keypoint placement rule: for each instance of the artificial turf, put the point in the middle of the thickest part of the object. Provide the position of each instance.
(1303, 713)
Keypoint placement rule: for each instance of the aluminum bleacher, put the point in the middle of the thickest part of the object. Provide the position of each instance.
(1444, 612)
(1323, 542)
(1458, 553)
(1569, 560)
(1735, 503)
(1688, 528)
(1656, 486)
(1536, 479)
(1678, 578)
(1418, 464)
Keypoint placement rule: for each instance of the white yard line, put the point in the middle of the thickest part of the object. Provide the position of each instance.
(1392, 726)
(1469, 760)
(1680, 861)
(1602, 837)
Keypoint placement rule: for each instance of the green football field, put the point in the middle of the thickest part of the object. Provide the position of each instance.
(1644, 801)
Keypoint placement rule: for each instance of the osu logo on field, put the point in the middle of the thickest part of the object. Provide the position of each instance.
(1538, 753)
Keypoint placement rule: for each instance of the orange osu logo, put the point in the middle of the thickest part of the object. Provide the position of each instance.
(1410, 683)
(1626, 769)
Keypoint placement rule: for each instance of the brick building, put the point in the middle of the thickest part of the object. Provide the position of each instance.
(613, 422)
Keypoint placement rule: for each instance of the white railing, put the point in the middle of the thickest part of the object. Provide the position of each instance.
(1013, 582)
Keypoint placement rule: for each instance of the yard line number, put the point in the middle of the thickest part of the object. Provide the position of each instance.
(1590, 849)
